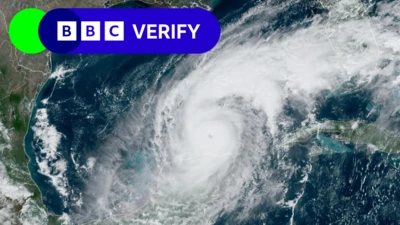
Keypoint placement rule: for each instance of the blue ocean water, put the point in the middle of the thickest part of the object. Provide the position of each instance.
(347, 184)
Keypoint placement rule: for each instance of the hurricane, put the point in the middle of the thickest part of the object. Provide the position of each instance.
(243, 134)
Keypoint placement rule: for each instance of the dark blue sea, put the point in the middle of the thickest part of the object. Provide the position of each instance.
(89, 99)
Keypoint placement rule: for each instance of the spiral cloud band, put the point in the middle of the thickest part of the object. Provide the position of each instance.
(206, 136)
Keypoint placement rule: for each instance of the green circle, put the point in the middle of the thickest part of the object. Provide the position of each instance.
(24, 31)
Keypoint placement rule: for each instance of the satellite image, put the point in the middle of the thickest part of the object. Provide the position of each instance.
(292, 118)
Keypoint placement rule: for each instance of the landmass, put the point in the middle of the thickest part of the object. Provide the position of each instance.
(21, 77)
(356, 132)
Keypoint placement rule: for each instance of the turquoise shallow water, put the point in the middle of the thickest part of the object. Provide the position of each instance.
(347, 183)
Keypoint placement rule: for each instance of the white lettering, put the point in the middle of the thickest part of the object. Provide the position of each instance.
(180, 31)
(163, 30)
(173, 31)
(194, 31)
(139, 34)
(151, 30)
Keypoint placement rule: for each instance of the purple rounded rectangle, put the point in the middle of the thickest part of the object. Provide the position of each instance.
(129, 31)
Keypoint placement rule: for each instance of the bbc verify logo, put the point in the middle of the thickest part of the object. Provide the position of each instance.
(90, 31)
(114, 31)
(129, 31)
